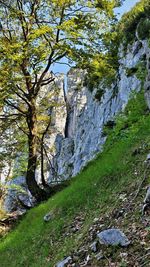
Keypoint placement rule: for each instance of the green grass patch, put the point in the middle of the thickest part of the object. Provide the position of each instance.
(93, 192)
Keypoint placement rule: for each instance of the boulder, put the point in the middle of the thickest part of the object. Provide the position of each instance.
(18, 197)
(113, 237)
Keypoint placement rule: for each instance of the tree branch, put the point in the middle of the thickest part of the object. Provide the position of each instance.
(49, 81)
(51, 55)
(14, 106)
(21, 129)
(20, 96)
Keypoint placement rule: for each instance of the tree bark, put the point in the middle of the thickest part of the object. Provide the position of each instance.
(42, 164)
(33, 187)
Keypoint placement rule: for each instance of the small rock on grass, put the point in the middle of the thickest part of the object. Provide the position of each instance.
(93, 247)
(99, 256)
(64, 262)
(148, 157)
(47, 217)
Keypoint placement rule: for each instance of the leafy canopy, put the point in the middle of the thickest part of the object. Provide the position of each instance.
(34, 35)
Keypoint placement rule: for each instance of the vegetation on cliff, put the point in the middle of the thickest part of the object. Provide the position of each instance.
(104, 66)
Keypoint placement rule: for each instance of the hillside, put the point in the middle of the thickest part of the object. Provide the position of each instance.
(92, 149)
(107, 193)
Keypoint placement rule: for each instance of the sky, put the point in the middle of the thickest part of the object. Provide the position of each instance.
(128, 4)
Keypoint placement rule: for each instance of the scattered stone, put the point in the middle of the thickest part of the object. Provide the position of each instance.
(147, 161)
(113, 237)
(99, 256)
(148, 157)
(147, 197)
(123, 197)
(118, 213)
(82, 253)
(93, 246)
(48, 217)
(86, 261)
(96, 220)
(64, 262)
(146, 205)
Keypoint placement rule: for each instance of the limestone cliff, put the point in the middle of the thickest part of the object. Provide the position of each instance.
(76, 134)
(86, 116)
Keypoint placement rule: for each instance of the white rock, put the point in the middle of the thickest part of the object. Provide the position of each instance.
(87, 116)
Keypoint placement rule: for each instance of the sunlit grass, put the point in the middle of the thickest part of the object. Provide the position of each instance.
(36, 243)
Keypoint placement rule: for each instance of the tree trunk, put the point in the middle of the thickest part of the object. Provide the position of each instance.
(42, 164)
(33, 187)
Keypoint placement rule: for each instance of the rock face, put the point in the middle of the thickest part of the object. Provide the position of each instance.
(58, 113)
(113, 237)
(77, 134)
(86, 116)
(18, 196)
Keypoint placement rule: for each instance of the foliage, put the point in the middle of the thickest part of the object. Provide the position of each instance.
(129, 22)
(140, 70)
(93, 193)
(34, 35)
(123, 32)
(126, 122)
(100, 69)
(131, 71)
(143, 28)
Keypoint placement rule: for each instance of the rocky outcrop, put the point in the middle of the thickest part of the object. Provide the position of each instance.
(86, 116)
(77, 128)
(18, 197)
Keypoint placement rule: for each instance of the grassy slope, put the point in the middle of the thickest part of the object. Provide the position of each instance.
(93, 193)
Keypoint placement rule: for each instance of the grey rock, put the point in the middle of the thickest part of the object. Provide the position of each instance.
(48, 217)
(99, 256)
(18, 197)
(93, 247)
(148, 157)
(113, 237)
(64, 262)
(147, 197)
(146, 206)
(86, 116)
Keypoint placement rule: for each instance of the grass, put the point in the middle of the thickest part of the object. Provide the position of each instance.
(92, 193)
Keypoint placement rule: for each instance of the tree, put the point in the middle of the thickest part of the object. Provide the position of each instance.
(35, 34)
